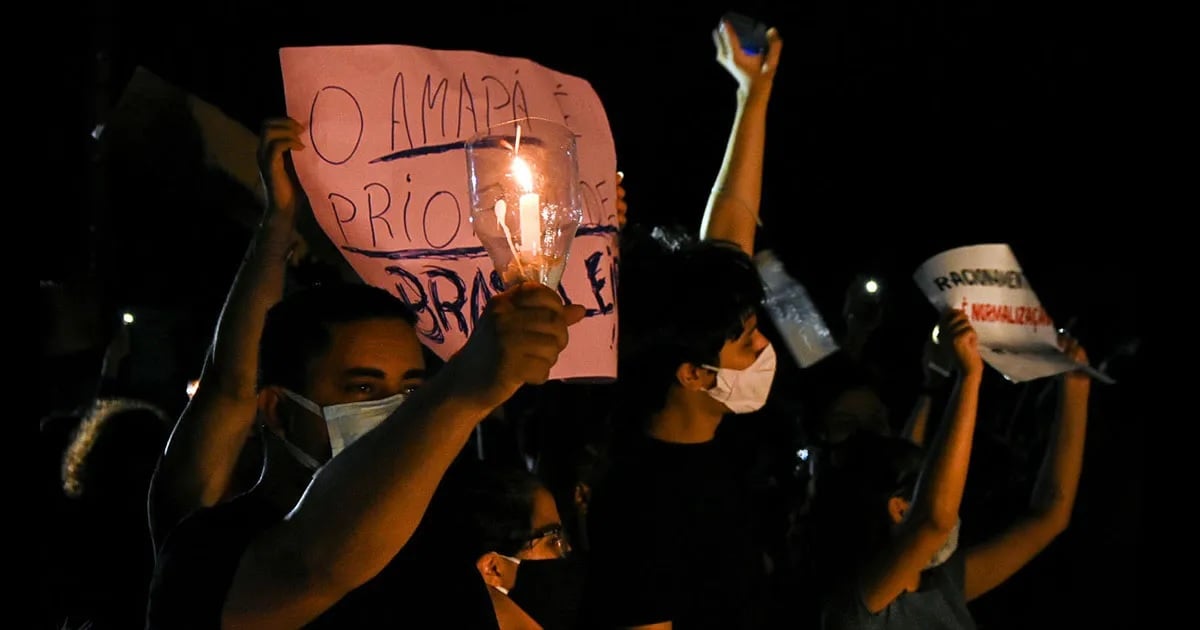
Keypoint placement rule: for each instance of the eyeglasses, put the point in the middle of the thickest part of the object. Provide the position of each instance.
(557, 539)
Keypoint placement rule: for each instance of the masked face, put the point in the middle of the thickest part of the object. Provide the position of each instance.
(744, 391)
(550, 591)
(347, 422)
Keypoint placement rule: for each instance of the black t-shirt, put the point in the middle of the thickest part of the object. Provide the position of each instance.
(672, 539)
(425, 586)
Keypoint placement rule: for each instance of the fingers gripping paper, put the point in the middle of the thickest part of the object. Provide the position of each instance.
(385, 172)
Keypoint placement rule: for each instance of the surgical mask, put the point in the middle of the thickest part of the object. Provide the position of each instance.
(743, 391)
(948, 548)
(349, 421)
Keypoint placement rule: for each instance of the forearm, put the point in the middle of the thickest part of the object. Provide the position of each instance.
(257, 287)
(353, 535)
(940, 488)
(197, 465)
(203, 450)
(733, 205)
(198, 461)
(918, 419)
(358, 512)
(993, 561)
(1058, 479)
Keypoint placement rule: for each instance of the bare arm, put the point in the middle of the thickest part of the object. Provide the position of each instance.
(935, 504)
(992, 562)
(197, 465)
(733, 205)
(934, 375)
(918, 419)
(363, 506)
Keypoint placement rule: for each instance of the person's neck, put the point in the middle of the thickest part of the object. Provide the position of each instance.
(685, 419)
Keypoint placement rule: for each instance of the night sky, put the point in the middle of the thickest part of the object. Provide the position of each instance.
(896, 129)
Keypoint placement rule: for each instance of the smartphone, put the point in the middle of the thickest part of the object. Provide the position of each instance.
(751, 33)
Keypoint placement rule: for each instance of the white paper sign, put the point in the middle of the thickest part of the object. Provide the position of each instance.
(1017, 337)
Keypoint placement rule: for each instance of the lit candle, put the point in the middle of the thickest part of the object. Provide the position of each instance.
(529, 208)
(531, 223)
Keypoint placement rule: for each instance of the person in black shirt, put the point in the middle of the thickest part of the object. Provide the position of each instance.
(672, 539)
(334, 533)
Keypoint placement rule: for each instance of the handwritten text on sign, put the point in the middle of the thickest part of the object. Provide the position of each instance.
(385, 171)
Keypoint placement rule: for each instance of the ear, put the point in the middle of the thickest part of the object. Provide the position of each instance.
(694, 378)
(897, 508)
(489, 569)
(271, 410)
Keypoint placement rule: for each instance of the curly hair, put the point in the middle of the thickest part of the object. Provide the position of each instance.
(103, 437)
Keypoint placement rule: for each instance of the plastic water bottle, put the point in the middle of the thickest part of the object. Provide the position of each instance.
(794, 314)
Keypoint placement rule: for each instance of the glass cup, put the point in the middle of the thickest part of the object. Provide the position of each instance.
(526, 205)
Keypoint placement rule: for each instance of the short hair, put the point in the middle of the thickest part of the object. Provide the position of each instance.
(297, 328)
(681, 301)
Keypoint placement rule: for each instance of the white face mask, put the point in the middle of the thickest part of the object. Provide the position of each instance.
(743, 391)
(948, 548)
(349, 421)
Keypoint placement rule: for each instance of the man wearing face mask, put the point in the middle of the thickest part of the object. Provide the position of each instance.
(672, 542)
(333, 533)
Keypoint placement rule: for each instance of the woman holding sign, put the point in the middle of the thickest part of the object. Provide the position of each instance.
(886, 514)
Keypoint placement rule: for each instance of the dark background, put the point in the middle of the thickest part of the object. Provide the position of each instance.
(896, 130)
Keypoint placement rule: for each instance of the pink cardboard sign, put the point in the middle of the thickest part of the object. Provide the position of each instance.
(385, 171)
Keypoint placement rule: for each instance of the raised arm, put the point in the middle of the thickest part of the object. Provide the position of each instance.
(933, 513)
(363, 506)
(934, 376)
(992, 562)
(733, 204)
(197, 465)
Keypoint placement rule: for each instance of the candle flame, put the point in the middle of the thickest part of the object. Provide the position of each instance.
(523, 174)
